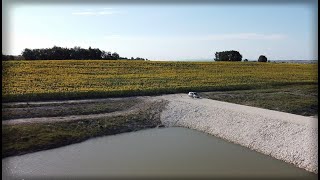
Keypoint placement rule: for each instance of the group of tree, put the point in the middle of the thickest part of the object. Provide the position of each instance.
(228, 56)
(234, 56)
(7, 57)
(59, 53)
(139, 58)
(11, 57)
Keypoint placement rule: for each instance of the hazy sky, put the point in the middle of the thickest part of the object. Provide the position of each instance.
(167, 32)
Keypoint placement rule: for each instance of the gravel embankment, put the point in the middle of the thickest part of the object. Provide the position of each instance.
(288, 137)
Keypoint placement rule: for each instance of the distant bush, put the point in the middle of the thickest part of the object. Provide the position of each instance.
(262, 58)
(245, 60)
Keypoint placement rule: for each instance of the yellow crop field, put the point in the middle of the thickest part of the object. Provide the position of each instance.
(63, 79)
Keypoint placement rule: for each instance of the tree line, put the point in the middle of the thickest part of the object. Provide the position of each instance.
(11, 57)
(60, 53)
(78, 53)
(234, 56)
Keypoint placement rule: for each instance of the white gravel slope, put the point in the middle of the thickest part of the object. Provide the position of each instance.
(288, 137)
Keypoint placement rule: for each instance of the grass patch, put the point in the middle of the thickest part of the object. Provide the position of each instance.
(25, 138)
(295, 99)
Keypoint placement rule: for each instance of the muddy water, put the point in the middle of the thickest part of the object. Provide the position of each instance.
(165, 152)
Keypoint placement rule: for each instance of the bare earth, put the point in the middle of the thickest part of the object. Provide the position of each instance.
(288, 137)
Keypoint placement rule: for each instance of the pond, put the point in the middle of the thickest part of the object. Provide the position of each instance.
(162, 152)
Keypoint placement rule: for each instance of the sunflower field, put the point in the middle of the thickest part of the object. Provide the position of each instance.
(76, 79)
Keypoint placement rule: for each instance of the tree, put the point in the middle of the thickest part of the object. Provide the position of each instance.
(245, 60)
(107, 55)
(115, 56)
(28, 54)
(139, 58)
(228, 56)
(262, 58)
(7, 57)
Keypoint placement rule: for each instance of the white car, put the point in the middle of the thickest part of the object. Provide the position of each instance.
(193, 95)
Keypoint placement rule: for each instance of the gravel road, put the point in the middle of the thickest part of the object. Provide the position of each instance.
(142, 105)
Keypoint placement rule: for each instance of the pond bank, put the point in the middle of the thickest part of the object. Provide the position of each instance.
(288, 137)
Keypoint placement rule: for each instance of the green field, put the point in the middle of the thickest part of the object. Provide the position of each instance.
(296, 99)
(75, 79)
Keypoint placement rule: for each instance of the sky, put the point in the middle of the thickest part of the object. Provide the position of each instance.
(167, 32)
